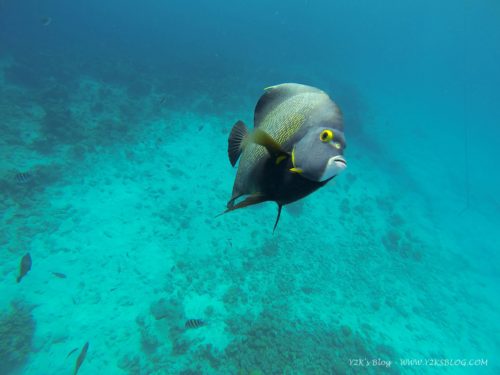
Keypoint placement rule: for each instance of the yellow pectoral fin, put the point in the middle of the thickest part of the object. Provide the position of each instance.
(260, 137)
(294, 169)
(280, 158)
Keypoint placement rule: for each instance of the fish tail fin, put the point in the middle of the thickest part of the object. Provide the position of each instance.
(236, 141)
(280, 206)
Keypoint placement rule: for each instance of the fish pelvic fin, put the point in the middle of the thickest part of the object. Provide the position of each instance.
(235, 142)
(261, 138)
(280, 206)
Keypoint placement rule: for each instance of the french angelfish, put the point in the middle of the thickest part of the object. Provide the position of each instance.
(296, 147)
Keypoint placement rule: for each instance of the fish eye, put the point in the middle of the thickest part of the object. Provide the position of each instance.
(326, 135)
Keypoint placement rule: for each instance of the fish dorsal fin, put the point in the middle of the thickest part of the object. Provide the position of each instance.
(274, 95)
(261, 138)
(235, 142)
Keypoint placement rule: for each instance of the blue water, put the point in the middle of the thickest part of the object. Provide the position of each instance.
(114, 118)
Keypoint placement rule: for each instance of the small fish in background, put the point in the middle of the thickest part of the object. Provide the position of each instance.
(163, 316)
(71, 352)
(23, 178)
(81, 358)
(46, 21)
(194, 323)
(59, 275)
(163, 100)
(24, 267)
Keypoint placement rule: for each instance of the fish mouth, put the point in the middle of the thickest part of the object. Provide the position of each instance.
(340, 162)
(334, 166)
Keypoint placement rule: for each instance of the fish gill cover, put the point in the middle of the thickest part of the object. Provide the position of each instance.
(114, 123)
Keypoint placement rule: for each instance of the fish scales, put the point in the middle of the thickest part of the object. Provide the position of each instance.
(281, 126)
(285, 120)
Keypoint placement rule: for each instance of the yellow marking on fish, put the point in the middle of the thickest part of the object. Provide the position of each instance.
(326, 135)
(296, 170)
(279, 159)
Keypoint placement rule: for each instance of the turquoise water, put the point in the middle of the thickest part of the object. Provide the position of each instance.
(114, 121)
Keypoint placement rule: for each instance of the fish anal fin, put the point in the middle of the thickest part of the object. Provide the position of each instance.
(233, 199)
(236, 141)
(248, 201)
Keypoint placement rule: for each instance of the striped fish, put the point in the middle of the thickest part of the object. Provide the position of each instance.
(194, 323)
(23, 178)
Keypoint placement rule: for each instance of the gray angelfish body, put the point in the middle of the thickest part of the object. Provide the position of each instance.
(296, 147)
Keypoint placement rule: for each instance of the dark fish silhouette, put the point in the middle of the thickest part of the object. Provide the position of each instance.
(81, 357)
(23, 178)
(194, 323)
(59, 275)
(46, 21)
(24, 267)
(71, 352)
(159, 317)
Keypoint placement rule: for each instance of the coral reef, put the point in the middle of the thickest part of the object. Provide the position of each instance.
(17, 328)
(59, 125)
(274, 345)
(405, 244)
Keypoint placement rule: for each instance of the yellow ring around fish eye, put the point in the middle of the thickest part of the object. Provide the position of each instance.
(326, 135)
